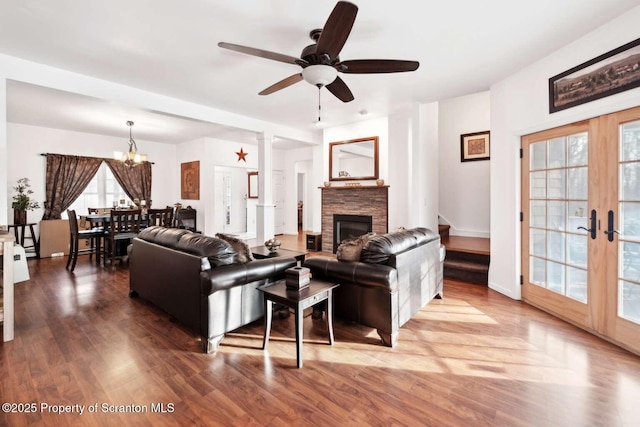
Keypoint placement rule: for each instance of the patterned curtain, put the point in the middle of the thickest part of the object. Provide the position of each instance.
(67, 177)
(135, 181)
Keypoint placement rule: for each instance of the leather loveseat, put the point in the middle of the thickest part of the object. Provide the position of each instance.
(204, 282)
(396, 275)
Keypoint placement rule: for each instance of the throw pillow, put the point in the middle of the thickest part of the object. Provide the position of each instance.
(240, 246)
(349, 250)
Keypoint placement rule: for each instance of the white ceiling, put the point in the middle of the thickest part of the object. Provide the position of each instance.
(170, 47)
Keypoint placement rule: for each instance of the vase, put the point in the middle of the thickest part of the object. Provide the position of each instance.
(19, 216)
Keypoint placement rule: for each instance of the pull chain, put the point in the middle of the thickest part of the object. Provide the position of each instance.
(319, 87)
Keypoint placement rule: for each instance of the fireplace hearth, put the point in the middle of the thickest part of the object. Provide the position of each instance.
(349, 227)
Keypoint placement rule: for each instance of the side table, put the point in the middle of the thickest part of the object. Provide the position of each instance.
(316, 292)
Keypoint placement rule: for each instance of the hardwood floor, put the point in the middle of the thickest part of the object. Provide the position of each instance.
(475, 358)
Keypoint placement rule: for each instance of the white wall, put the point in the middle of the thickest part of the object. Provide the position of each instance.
(26, 143)
(519, 106)
(464, 186)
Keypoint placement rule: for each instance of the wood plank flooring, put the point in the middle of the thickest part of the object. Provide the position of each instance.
(473, 358)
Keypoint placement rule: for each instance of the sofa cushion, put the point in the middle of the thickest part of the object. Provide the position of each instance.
(379, 249)
(162, 236)
(217, 251)
(239, 245)
(349, 250)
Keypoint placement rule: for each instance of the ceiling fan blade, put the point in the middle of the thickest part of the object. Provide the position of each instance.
(282, 84)
(340, 90)
(371, 66)
(337, 29)
(261, 53)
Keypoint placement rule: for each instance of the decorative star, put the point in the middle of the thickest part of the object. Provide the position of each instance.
(242, 155)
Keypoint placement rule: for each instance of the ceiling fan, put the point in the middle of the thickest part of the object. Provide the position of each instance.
(320, 61)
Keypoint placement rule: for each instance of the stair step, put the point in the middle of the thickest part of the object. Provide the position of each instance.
(443, 230)
(466, 265)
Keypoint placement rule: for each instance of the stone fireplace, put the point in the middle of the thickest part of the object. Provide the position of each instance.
(348, 201)
(349, 227)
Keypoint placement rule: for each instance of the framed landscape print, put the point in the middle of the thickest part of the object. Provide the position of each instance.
(613, 72)
(190, 180)
(475, 146)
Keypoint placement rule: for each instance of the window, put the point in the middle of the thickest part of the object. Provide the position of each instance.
(102, 191)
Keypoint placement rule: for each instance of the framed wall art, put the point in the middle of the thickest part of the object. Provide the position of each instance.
(190, 180)
(252, 185)
(475, 146)
(613, 72)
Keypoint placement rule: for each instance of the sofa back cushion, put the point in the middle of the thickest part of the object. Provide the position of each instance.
(163, 236)
(379, 249)
(217, 251)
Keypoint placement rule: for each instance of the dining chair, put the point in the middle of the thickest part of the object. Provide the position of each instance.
(75, 235)
(186, 218)
(162, 217)
(123, 226)
(97, 226)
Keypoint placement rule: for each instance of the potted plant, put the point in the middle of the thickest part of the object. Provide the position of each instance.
(22, 201)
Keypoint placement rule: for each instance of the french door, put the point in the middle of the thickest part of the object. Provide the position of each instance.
(581, 224)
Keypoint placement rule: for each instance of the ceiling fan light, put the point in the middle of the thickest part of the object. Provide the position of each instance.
(319, 75)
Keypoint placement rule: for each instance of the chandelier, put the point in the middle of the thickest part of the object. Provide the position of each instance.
(132, 157)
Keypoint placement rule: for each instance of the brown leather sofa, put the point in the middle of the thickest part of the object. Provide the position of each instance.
(203, 282)
(397, 274)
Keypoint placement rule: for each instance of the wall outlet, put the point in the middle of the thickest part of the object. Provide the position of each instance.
(56, 254)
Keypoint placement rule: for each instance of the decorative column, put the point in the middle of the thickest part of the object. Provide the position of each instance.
(265, 210)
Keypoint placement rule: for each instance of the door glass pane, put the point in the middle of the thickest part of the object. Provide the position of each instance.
(556, 184)
(630, 220)
(578, 149)
(538, 156)
(577, 250)
(630, 261)
(629, 301)
(555, 277)
(630, 141)
(577, 284)
(555, 246)
(557, 150)
(577, 183)
(538, 185)
(577, 217)
(556, 215)
(537, 271)
(537, 242)
(630, 181)
(538, 213)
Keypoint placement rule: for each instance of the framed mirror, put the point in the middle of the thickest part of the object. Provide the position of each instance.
(252, 191)
(354, 159)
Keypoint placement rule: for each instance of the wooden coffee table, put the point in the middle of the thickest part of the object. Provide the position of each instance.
(316, 292)
(260, 252)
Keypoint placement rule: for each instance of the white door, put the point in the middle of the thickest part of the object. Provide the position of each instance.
(278, 200)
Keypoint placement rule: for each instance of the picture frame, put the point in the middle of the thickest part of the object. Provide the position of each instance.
(190, 180)
(252, 185)
(475, 146)
(613, 72)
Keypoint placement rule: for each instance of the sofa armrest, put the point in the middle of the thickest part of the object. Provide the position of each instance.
(360, 273)
(229, 276)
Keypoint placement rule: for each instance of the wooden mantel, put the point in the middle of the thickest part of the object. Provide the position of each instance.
(352, 187)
